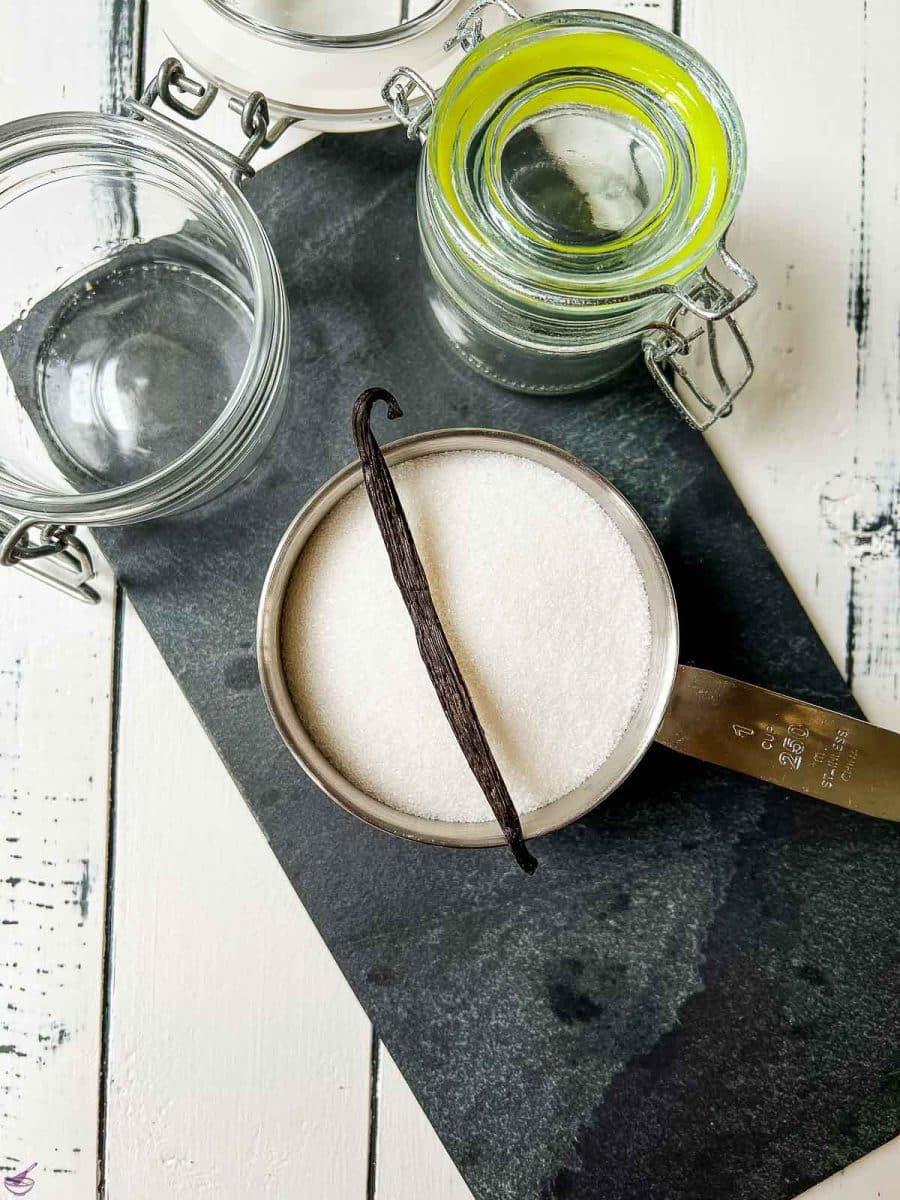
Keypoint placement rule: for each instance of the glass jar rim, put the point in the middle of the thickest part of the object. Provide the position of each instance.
(391, 36)
(170, 487)
(467, 232)
(328, 88)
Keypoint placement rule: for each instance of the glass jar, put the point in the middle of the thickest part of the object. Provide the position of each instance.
(580, 173)
(143, 322)
(143, 325)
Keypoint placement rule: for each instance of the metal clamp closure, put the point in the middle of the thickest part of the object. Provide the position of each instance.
(665, 345)
(470, 31)
(171, 84)
(410, 96)
(51, 552)
(399, 93)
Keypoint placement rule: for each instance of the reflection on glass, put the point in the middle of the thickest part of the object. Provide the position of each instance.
(348, 22)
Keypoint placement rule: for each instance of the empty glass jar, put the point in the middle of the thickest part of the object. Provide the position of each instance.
(579, 175)
(143, 326)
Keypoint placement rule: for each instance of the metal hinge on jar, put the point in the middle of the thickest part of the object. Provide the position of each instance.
(666, 346)
(410, 96)
(171, 85)
(470, 28)
(52, 553)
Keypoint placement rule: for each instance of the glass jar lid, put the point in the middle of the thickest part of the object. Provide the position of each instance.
(143, 325)
(585, 157)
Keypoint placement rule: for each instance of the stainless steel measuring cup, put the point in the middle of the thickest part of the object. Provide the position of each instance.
(787, 742)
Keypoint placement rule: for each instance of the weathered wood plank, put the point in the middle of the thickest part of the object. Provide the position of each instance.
(411, 1163)
(238, 1056)
(54, 747)
(797, 230)
(55, 671)
(864, 512)
(812, 446)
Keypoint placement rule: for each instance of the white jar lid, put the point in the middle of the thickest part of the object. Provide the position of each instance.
(318, 61)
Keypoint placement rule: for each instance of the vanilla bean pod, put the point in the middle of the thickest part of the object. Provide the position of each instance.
(434, 648)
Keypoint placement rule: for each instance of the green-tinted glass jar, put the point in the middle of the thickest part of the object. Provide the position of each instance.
(580, 172)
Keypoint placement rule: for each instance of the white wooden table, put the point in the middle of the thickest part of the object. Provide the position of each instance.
(172, 1024)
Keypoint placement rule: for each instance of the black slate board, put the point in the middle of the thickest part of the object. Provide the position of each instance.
(697, 994)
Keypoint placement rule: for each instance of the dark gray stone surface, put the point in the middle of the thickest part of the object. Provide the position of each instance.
(697, 994)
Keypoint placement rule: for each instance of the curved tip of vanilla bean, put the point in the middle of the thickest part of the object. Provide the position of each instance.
(366, 401)
(523, 855)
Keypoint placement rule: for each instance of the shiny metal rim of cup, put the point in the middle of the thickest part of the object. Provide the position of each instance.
(641, 730)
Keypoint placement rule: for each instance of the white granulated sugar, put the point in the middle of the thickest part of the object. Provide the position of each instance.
(543, 604)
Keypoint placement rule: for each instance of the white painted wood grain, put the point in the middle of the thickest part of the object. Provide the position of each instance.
(238, 1055)
(411, 1163)
(873, 494)
(55, 671)
(55, 662)
(812, 444)
(820, 418)
(796, 228)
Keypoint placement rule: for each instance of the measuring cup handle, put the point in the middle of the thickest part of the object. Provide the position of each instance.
(784, 741)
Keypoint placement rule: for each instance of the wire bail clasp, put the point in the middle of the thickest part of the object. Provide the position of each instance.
(51, 552)
(170, 85)
(470, 28)
(399, 94)
(664, 343)
(409, 95)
